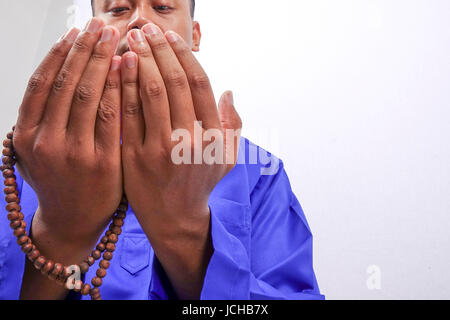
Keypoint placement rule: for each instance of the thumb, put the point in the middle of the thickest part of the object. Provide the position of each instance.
(231, 126)
(229, 118)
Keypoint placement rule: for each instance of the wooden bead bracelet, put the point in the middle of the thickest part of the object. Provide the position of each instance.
(57, 271)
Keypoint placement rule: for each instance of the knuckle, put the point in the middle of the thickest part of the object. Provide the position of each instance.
(40, 149)
(160, 45)
(85, 93)
(199, 81)
(37, 82)
(111, 84)
(63, 80)
(132, 109)
(130, 83)
(58, 51)
(81, 45)
(107, 110)
(153, 89)
(177, 79)
(99, 55)
(143, 52)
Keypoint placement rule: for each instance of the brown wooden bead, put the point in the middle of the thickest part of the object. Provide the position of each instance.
(48, 267)
(57, 269)
(21, 216)
(10, 182)
(110, 247)
(107, 234)
(26, 248)
(9, 190)
(104, 264)
(84, 267)
(117, 222)
(96, 281)
(85, 289)
(12, 198)
(107, 255)
(19, 232)
(113, 238)
(104, 240)
(39, 262)
(22, 240)
(123, 208)
(101, 273)
(10, 135)
(96, 254)
(7, 160)
(94, 291)
(116, 230)
(13, 216)
(121, 215)
(90, 260)
(101, 247)
(8, 173)
(18, 224)
(7, 152)
(34, 254)
(13, 207)
(15, 224)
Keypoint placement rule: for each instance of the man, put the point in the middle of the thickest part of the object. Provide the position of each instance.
(98, 120)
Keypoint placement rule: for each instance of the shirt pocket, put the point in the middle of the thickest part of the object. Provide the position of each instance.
(135, 255)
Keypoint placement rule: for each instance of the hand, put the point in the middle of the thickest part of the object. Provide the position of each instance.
(168, 90)
(67, 137)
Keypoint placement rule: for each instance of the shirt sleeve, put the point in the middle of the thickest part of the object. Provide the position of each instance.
(278, 264)
(12, 259)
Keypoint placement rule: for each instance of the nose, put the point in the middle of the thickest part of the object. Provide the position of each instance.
(141, 17)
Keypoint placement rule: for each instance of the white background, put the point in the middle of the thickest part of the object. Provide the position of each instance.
(352, 95)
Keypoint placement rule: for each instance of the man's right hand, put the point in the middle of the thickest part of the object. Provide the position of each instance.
(67, 141)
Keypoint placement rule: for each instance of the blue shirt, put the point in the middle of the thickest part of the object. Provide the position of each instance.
(262, 243)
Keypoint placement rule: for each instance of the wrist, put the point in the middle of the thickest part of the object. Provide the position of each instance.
(60, 243)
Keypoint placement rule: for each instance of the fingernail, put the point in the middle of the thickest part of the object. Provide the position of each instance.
(107, 35)
(172, 36)
(130, 61)
(151, 29)
(94, 25)
(71, 35)
(115, 64)
(137, 36)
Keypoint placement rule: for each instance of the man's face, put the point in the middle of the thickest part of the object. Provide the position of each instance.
(126, 15)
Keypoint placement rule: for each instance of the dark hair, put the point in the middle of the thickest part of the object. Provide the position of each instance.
(192, 7)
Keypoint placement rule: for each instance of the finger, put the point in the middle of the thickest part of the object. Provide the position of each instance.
(182, 113)
(107, 125)
(201, 91)
(59, 103)
(232, 125)
(89, 90)
(35, 99)
(132, 117)
(155, 103)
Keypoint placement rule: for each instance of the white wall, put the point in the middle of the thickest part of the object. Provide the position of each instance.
(352, 95)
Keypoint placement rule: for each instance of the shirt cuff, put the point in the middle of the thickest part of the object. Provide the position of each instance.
(227, 275)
